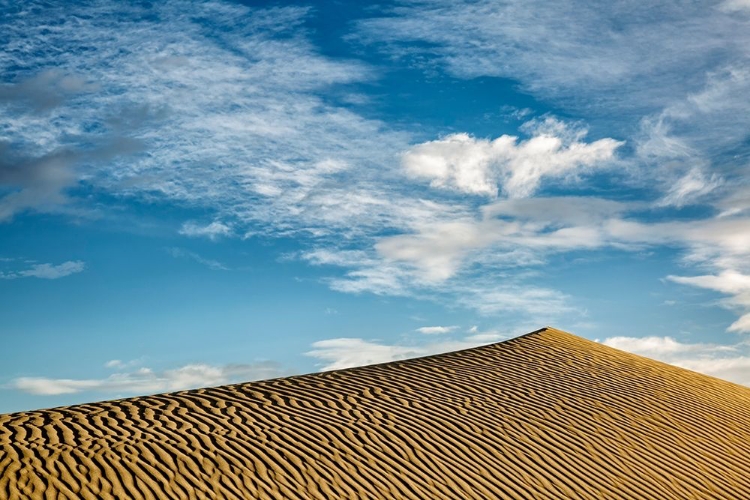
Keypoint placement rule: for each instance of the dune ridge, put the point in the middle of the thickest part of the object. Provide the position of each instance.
(545, 415)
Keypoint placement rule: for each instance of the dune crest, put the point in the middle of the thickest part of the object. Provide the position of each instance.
(545, 415)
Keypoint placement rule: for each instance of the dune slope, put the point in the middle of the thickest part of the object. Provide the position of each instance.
(546, 415)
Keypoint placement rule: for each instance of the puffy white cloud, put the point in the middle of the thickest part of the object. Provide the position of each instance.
(728, 362)
(684, 104)
(478, 166)
(47, 271)
(146, 381)
(234, 116)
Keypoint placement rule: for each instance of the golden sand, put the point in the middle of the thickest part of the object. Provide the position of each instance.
(546, 415)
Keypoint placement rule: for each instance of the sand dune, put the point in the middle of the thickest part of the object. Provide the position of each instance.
(546, 415)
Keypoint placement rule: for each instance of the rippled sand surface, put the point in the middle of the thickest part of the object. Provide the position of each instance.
(546, 415)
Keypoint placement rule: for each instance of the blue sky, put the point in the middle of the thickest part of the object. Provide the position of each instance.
(198, 193)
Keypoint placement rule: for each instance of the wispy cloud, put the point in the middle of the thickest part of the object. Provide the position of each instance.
(236, 117)
(729, 282)
(181, 253)
(729, 362)
(212, 231)
(436, 330)
(340, 353)
(735, 5)
(347, 352)
(229, 114)
(47, 271)
(118, 364)
(682, 106)
(610, 47)
(147, 381)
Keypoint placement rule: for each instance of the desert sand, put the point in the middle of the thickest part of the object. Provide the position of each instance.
(546, 415)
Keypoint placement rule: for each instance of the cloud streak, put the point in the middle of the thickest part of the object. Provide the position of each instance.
(728, 282)
(233, 112)
(148, 381)
(348, 352)
(181, 253)
(212, 231)
(682, 107)
(230, 114)
(435, 330)
(47, 271)
(726, 362)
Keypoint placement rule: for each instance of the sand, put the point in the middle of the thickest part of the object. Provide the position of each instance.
(546, 415)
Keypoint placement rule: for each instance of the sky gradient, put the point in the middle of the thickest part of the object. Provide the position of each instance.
(198, 193)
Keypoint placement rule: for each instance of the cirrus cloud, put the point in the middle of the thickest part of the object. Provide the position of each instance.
(147, 381)
(47, 271)
(728, 362)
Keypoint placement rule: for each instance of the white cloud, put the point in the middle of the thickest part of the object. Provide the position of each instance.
(147, 381)
(728, 362)
(735, 5)
(221, 110)
(610, 46)
(436, 330)
(235, 119)
(486, 337)
(478, 166)
(661, 346)
(487, 298)
(340, 353)
(742, 325)
(737, 202)
(729, 282)
(349, 352)
(437, 250)
(181, 253)
(683, 104)
(445, 258)
(690, 147)
(212, 231)
(118, 364)
(47, 271)
(690, 187)
(510, 233)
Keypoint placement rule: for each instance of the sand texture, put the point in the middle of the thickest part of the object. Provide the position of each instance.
(546, 415)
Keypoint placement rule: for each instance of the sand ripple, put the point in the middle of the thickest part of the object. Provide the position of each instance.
(547, 415)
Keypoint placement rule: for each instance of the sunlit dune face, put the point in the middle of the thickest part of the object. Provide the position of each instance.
(545, 415)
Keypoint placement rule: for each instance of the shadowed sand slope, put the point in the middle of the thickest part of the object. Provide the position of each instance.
(546, 415)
